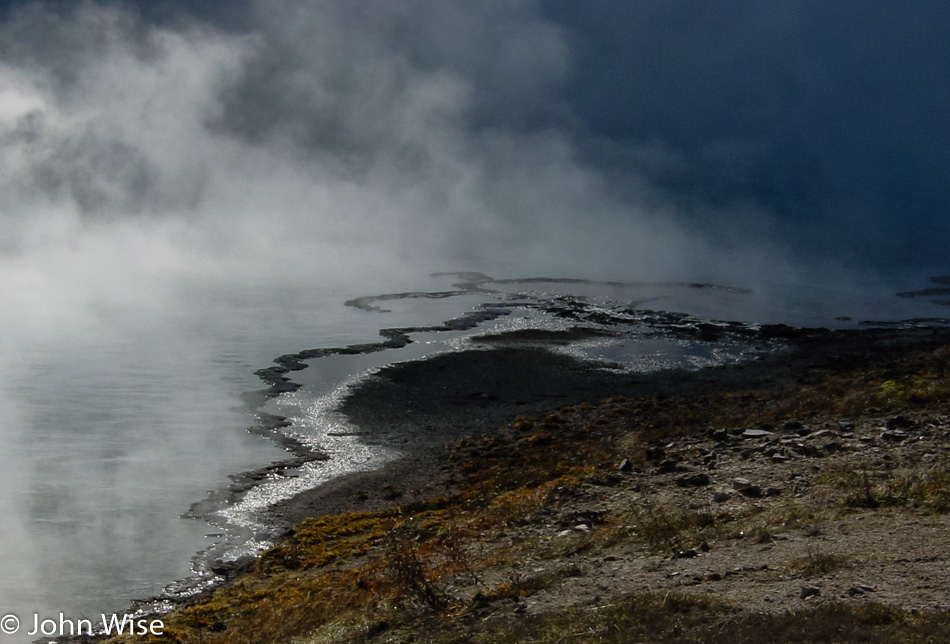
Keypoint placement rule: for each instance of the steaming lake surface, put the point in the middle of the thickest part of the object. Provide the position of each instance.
(113, 429)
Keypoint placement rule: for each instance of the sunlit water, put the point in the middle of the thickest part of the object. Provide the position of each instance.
(108, 438)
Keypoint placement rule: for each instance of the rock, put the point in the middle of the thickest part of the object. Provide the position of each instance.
(832, 447)
(608, 479)
(779, 458)
(693, 480)
(896, 435)
(721, 496)
(756, 433)
(720, 435)
(668, 466)
(745, 487)
(810, 450)
(793, 426)
(808, 592)
(801, 485)
(900, 422)
(588, 516)
(624, 466)
(751, 491)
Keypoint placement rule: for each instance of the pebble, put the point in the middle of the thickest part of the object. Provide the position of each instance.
(808, 592)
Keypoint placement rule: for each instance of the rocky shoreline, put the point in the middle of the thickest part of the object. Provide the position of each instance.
(663, 489)
(469, 399)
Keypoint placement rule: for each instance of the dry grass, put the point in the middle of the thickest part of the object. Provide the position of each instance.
(817, 563)
(869, 486)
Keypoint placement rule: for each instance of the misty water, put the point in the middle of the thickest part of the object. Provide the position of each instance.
(112, 433)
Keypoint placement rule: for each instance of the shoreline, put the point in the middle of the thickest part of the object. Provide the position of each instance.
(425, 405)
(422, 406)
(468, 381)
(480, 417)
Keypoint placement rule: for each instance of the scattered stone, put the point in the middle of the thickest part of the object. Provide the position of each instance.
(756, 433)
(624, 466)
(900, 422)
(721, 496)
(752, 491)
(720, 435)
(668, 467)
(807, 449)
(800, 485)
(807, 592)
(896, 435)
(693, 480)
